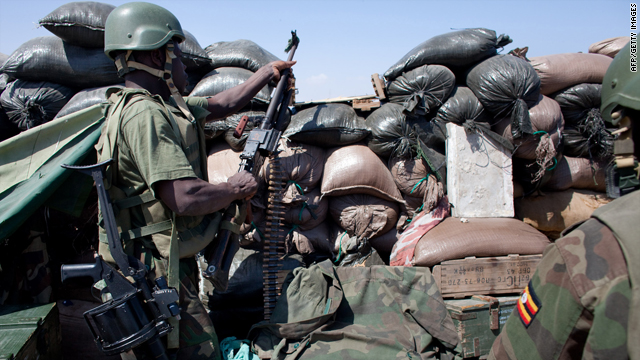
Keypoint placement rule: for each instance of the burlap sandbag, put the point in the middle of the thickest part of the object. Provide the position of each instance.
(313, 240)
(410, 176)
(547, 123)
(560, 71)
(610, 46)
(364, 216)
(302, 165)
(577, 173)
(555, 211)
(308, 211)
(223, 162)
(480, 237)
(356, 169)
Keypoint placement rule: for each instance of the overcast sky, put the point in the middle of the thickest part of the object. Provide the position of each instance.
(343, 42)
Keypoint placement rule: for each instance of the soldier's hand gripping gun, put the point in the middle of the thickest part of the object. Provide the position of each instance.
(135, 317)
(261, 142)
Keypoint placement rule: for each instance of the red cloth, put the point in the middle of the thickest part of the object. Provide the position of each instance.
(404, 249)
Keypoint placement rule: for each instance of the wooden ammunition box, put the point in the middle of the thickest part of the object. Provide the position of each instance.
(479, 320)
(487, 276)
(30, 332)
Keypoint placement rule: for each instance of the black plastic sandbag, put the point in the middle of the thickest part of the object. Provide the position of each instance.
(84, 99)
(462, 106)
(240, 53)
(48, 58)
(578, 101)
(327, 125)
(30, 104)
(455, 49)
(221, 79)
(79, 23)
(7, 128)
(5, 79)
(423, 89)
(193, 55)
(506, 85)
(590, 139)
(395, 133)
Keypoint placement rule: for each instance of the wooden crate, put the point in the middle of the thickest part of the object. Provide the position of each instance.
(485, 276)
(479, 320)
(30, 332)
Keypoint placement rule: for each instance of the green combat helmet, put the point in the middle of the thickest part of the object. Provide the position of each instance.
(143, 26)
(140, 26)
(620, 92)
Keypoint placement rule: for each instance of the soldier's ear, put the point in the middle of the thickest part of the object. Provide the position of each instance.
(156, 56)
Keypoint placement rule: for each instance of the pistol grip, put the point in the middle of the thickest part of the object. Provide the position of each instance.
(81, 270)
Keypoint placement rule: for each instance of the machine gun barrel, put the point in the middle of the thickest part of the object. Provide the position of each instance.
(261, 142)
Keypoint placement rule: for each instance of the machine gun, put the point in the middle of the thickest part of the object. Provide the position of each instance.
(261, 143)
(135, 317)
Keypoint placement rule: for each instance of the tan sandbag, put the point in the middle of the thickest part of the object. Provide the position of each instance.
(308, 211)
(578, 173)
(356, 169)
(545, 116)
(410, 176)
(222, 162)
(554, 211)
(610, 46)
(313, 240)
(362, 215)
(559, 71)
(480, 237)
(302, 164)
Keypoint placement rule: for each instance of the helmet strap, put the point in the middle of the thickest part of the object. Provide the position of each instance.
(625, 166)
(168, 78)
(125, 66)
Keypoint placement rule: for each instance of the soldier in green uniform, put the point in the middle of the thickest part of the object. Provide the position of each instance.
(584, 298)
(165, 208)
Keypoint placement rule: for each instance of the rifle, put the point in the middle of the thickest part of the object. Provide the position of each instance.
(135, 317)
(261, 143)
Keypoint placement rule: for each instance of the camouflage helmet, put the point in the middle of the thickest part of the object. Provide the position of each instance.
(140, 26)
(620, 86)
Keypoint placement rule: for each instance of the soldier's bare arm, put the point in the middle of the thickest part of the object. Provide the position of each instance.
(232, 100)
(193, 196)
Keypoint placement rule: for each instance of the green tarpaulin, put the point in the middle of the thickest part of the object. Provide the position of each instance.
(30, 170)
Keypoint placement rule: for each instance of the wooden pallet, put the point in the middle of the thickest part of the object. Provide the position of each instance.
(486, 276)
(378, 86)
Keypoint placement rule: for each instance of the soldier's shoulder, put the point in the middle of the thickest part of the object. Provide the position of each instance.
(592, 255)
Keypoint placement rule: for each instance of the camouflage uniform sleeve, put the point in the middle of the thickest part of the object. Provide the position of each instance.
(576, 304)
